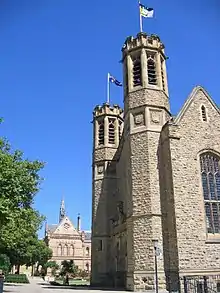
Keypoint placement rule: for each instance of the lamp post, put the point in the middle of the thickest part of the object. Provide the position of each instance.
(156, 253)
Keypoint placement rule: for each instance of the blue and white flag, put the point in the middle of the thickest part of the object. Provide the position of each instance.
(114, 80)
(146, 11)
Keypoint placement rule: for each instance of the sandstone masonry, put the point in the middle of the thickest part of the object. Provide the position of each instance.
(156, 179)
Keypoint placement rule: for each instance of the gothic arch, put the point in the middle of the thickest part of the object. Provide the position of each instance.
(59, 249)
(210, 182)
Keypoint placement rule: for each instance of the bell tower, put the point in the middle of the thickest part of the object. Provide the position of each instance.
(146, 107)
(107, 131)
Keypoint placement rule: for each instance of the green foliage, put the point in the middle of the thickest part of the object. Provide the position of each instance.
(52, 264)
(5, 264)
(19, 221)
(13, 278)
(68, 267)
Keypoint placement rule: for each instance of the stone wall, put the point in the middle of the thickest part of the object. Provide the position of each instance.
(198, 251)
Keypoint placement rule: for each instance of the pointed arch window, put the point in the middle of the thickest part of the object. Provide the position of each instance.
(59, 250)
(151, 70)
(87, 251)
(111, 131)
(119, 129)
(137, 79)
(71, 250)
(65, 250)
(204, 113)
(101, 132)
(210, 175)
(162, 72)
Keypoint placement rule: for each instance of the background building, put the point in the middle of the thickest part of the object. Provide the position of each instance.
(156, 179)
(68, 242)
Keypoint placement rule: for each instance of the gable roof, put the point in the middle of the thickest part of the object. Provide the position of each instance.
(64, 227)
(189, 101)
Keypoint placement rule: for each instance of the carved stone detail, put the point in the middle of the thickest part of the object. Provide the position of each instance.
(139, 119)
(100, 169)
(155, 116)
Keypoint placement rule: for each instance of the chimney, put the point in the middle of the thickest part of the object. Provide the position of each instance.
(78, 223)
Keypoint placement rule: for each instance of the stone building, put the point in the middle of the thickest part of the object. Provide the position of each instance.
(156, 179)
(68, 242)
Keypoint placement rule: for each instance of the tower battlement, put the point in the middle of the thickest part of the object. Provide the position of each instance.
(107, 109)
(144, 41)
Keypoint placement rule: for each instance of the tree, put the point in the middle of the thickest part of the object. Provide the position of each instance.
(5, 264)
(19, 222)
(38, 252)
(68, 267)
(19, 182)
(52, 265)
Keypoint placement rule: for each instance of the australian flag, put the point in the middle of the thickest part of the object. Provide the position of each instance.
(114, 80)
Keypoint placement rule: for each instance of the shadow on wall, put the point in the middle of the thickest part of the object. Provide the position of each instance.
(170, 249)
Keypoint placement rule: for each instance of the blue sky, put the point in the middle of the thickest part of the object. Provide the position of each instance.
(55, 55)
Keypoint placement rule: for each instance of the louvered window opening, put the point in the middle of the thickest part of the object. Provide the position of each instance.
(111, 131)
(152, 73)
(120, 129)
(137, 80)
(101, 133)
(162, 75)
(204, 115)
(210, 173)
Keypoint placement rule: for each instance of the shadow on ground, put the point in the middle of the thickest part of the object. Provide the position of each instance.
(54, 287)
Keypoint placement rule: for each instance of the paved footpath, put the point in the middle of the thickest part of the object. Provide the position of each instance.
(37, 285)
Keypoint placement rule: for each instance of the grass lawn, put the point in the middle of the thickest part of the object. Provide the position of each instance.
(75, 282)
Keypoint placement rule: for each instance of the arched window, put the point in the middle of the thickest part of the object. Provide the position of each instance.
(71, 250)
(137, 80)
(101, 132)
(151, 70)
(65, 250)
(59, 250)
(119, 129)
(204, 114)
(87, 267)
(210, 174)
(111, 131)
(162, 73)
(87, 251)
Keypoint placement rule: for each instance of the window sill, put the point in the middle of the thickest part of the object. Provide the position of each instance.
(213, 239)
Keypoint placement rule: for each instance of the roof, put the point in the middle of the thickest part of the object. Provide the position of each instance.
(87, 235)
(52, 228)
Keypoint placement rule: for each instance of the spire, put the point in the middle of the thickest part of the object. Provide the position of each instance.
(62, 210)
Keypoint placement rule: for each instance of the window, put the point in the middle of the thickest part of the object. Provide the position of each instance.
(162, 73)
(111, 131)
(203, 112)
(101, 132)
(87, 267)
(100, 245)
(59, 250)
(65, 250)
(119, 129)
(137, 80)
(87, 251)
(72, 250)
(210, 174)
(151, 70)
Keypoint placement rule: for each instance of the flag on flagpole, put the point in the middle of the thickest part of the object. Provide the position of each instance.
(112, 79)
(146, 11)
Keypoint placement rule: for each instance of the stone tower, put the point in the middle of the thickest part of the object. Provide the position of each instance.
(107, 130)
(146, 110)
(62, 211)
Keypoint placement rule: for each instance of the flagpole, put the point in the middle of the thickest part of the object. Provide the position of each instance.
(141, 22)
(108, 89)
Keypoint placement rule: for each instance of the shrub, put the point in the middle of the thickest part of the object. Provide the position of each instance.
(14, 278)
(5, 264)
